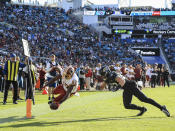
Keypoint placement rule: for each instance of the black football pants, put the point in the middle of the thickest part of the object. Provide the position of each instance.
(15, 86)
(130, 89)
(166, 81)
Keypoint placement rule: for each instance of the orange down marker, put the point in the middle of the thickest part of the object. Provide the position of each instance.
(29, 108)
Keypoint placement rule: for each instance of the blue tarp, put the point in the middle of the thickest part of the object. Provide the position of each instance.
(153, 59)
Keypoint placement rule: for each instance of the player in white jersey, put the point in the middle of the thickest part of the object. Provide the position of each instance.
(117, 68)
(130, 73)
(97, 76)
(148, 72)
(67, 89)
(51, 73)
(70, 78)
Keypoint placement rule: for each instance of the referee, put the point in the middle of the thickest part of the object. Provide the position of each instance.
(11, 69)
(130, 89)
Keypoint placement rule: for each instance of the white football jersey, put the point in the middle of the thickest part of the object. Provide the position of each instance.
(148, 72)
(67, 82)
(49, 66)
(98, 69)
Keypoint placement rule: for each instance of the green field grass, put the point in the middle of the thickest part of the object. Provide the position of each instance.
(91, 111)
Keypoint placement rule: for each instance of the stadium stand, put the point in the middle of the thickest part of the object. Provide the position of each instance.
(169, 48)
(51, 30)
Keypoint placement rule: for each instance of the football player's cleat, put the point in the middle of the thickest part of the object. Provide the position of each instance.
(165, 111)
(142, 111)
(49, 102)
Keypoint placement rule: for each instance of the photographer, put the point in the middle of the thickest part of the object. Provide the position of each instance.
(153, 77)
(82, 77)
(166, 76)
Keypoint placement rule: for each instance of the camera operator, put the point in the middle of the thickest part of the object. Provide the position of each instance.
(153, 77)
(166, 76)
(143, 76)
(82, 77)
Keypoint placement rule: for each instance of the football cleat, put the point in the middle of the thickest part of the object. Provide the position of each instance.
(49, 98)
(4, 102)
(142, 111)
(165, 111)
(49, 102)
(15, 102)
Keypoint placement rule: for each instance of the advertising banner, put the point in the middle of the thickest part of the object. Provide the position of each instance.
(147, 51)
(156, 13)
(116, 31)
(117, 13)
(165, 13)
(152, 13)
(163, 31)
(100, 12)
(89, 12)
(141, 13)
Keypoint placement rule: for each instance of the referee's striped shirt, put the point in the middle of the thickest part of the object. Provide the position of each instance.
(11, 69)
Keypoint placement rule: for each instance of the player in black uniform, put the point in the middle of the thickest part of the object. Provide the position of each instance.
(130, 89)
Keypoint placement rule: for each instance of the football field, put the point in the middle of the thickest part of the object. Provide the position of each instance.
(91, 111)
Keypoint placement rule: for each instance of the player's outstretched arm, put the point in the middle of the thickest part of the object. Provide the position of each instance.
(70, 88)
(53, 80)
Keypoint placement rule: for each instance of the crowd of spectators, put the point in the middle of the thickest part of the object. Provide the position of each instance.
(52, 31)
(169, 48)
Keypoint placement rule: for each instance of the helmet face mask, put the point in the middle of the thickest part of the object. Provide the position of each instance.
(69, 73)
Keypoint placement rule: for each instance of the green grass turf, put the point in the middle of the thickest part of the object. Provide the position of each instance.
(91, 111)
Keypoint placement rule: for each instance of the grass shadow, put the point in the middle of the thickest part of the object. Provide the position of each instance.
(46, 124)
(13, 119)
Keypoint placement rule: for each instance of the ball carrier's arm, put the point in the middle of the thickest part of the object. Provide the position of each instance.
(68, 92)
(53, 80)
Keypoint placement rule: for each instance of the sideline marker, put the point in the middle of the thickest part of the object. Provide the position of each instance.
(29, 108)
